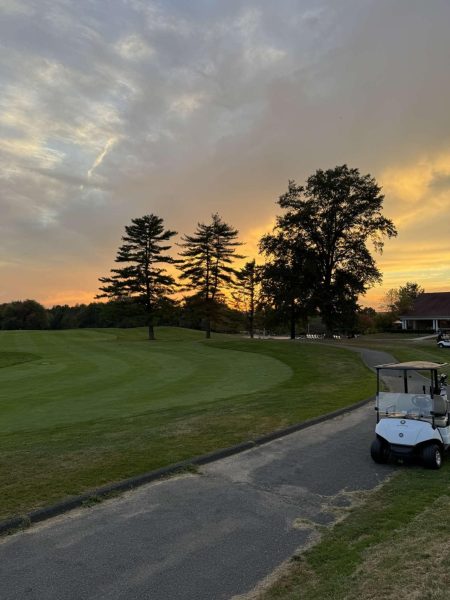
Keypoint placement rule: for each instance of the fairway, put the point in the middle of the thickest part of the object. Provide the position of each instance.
(81, 408)
(83, 375)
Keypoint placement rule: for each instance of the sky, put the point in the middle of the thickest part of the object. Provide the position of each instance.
(112, 109)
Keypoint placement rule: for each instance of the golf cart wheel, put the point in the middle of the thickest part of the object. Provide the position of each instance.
(379, 451)
(432, 457)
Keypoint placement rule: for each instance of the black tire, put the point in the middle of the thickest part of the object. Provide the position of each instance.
(379, 451)
(432, 457)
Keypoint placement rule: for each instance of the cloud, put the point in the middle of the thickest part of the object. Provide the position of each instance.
(16, 7)
(186, 104)
(417, 192)
(133, 47)
(440, 182)
(113, 110)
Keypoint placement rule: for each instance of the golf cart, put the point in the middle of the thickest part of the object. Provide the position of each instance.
(413, 420)
(443, 343)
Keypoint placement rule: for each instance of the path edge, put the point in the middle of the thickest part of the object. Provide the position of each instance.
(18, 523)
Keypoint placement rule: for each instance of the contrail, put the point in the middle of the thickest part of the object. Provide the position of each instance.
(98, 161)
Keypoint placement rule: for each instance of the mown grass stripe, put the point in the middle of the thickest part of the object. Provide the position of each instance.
(67, 428)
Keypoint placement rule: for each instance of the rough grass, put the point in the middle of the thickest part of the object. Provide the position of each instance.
(96, 406)
(394, 546)
(416, 566)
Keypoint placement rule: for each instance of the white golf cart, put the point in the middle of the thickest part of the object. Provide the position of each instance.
(413, 421)
(444, 343)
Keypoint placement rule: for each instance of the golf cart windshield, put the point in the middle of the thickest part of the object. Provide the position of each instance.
(414, 387)
(412, 406)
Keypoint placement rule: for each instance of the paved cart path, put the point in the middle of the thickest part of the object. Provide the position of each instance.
(207, 536)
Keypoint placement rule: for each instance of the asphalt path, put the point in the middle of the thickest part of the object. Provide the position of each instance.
(206, 536)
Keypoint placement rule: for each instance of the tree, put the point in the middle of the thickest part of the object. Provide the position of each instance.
(24, 314)
(206, 267)
(124, 313)
(63, 317)
(400, 300)
(142, 278)
(336, 215)
(366, 319)
(245, 295)
(288, 276)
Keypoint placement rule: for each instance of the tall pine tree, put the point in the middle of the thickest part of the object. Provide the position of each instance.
(142, 277)
(246, 294)
(206, 267)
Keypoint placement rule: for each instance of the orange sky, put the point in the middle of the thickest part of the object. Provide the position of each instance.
(183, 109)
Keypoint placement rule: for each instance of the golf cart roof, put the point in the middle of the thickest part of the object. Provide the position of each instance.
(417, 365)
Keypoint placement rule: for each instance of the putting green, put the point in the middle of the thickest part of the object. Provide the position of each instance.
(84, 375)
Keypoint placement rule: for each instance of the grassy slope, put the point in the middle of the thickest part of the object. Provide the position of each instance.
(100, 405)
(395, 545)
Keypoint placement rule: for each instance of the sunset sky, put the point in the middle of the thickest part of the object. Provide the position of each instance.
(111, 109)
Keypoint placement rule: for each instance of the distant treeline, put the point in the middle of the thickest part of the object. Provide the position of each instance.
(30, 314)
(188, 312)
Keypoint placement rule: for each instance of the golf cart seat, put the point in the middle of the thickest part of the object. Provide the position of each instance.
(440, 409)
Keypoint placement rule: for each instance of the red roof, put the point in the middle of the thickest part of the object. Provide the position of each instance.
(431, 306)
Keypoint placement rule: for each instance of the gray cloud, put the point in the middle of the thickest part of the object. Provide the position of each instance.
(440, 182)
(110, 110)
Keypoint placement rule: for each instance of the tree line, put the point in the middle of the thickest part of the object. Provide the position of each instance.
(317, 261)
(317, 258)
(30, 314)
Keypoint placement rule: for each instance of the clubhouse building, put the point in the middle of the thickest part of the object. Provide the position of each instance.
(429, 311)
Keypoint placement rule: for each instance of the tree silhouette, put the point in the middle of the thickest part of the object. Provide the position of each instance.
(335, 215)
(142, 278)
(246, 294)
(206, 267)
(288, 276)
(400, 300)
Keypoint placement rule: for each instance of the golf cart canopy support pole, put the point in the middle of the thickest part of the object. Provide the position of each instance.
(378, 391)
(434, 384)
(405, 381)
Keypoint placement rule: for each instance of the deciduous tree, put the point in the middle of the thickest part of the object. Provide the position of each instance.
(288, 276)
(337, 214)
(23, 314)
(400, 300)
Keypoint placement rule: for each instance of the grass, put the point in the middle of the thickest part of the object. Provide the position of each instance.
(8, 359)
(395, 546)
(89, 407)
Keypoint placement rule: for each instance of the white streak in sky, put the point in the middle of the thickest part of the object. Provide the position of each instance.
(98, 161)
